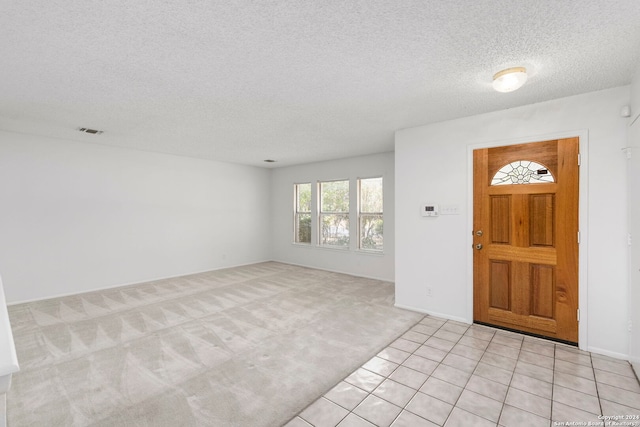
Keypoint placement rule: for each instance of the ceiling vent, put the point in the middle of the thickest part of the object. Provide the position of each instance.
(91, 131)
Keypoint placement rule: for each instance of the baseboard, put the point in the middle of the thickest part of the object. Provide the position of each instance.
(433, 313)
(122, 285)
(608, 353)
(334, 271)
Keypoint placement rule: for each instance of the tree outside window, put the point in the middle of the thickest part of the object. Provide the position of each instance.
(302, 221)
(370, 214)
(334, 213)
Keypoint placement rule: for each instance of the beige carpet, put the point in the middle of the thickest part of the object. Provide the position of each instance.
(247, 346)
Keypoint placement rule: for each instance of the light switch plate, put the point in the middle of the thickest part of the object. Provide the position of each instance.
(449, 210)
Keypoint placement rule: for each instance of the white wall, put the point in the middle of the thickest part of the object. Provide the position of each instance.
(634, 224)
(359, 263)
(433, 164)
(76, 217)
(635, 97)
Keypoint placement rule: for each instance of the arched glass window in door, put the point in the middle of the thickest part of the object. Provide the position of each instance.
(522, 172)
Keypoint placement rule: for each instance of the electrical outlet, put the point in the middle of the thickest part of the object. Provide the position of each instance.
(429, 292)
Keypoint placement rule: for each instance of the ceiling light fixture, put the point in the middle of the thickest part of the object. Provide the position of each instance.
(510, 79)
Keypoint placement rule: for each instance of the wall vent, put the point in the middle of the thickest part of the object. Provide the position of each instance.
(91, 131)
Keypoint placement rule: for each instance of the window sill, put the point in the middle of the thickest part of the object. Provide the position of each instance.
(372, 253)
(333, 248)
(339, 249)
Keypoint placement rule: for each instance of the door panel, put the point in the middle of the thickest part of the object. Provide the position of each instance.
(500, 284)
(542, 229)
(525, 237)
(501, 219)
(542, 290)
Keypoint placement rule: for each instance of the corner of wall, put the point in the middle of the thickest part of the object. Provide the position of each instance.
(635, 97)
(633, 226)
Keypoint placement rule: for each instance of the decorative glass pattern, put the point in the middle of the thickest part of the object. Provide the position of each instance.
(522, 172)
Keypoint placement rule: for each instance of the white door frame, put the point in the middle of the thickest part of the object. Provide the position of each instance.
(583, 219)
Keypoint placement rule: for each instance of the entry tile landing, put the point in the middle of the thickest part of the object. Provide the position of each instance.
(445, 373)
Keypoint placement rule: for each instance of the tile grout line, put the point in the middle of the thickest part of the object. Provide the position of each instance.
(484, 352)
(428, 376)
(455, 405)
(420, 344)
(401, 364)
(361, 366)
(510, 381)
(431, 374)
(595, 381)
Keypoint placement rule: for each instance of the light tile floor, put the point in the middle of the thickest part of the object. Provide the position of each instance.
(446, 373)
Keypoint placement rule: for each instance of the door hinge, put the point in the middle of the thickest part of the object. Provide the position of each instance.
(578, 314)
(579, 159)
(578, 237)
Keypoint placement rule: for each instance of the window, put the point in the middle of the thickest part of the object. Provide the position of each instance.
(334, 213)
(522, 172)
(302, 221)
(370, 214)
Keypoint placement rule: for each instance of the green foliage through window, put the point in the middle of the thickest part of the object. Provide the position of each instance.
(334, 213)
(302, 213)
(370, 214)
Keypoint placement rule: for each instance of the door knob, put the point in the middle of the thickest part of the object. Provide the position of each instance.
(479, 233)
(479, 246)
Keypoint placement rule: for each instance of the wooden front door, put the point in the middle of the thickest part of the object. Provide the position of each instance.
(525, 230)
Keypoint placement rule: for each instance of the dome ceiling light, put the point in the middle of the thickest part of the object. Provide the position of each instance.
(510, 79)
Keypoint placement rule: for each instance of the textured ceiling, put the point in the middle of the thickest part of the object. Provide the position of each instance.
(296, 81)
